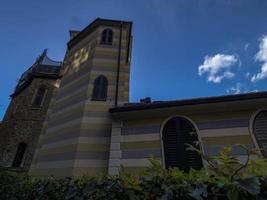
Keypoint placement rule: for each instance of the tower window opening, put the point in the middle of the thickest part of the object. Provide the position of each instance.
(39, 96)
(17, 162)
(100, 89)
(107, 36)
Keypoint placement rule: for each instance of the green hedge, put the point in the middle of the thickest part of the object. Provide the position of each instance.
(223, 178)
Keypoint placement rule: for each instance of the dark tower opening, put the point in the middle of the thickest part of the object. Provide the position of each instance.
(107, 36)
(19, 154)
(38, 99)
(177, 133)
(100, 89)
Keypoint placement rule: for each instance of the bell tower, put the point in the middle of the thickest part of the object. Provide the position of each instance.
(75, 138)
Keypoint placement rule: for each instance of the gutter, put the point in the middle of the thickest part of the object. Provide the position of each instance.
(188, 102)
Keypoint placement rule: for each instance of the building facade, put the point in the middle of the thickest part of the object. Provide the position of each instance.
(76, 135)
(23, 120)
(90, 127)
(164, 130)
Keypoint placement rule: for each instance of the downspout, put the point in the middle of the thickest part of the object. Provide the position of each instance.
(118, 68)
(129, 43)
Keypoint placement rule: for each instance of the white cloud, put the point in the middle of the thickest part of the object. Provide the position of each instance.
(246, 46)
(218, 67)
(247, 75)
(234, 90)
(240, 88)
(261, 56)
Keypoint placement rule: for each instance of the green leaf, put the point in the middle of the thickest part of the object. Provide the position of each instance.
(251, 185)
(233, 193)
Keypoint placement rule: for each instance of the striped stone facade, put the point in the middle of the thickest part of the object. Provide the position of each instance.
(81, 135)
(76, 136)
(138, 134)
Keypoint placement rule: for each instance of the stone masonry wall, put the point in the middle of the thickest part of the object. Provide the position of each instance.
(23, 123)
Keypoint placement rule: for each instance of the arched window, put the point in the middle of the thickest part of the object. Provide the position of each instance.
(260, 131)
(177, 133)
(100, 88)
(106, 37)
(39, 96)
(19, 155)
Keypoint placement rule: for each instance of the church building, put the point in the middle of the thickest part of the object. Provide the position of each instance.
(90, 126)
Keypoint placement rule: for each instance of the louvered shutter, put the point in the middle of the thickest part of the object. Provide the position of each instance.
(260, 131)
(177, 133)
(170, 144)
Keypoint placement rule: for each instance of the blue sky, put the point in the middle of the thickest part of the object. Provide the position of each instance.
(181, 48)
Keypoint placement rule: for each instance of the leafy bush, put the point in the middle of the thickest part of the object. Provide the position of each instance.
(225, 177)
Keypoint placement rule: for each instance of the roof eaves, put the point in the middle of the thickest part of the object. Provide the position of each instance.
(91, 27)
(187, 102)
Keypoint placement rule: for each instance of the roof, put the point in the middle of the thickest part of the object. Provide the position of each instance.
(43, 67)
(91, 27)
(188, 102)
